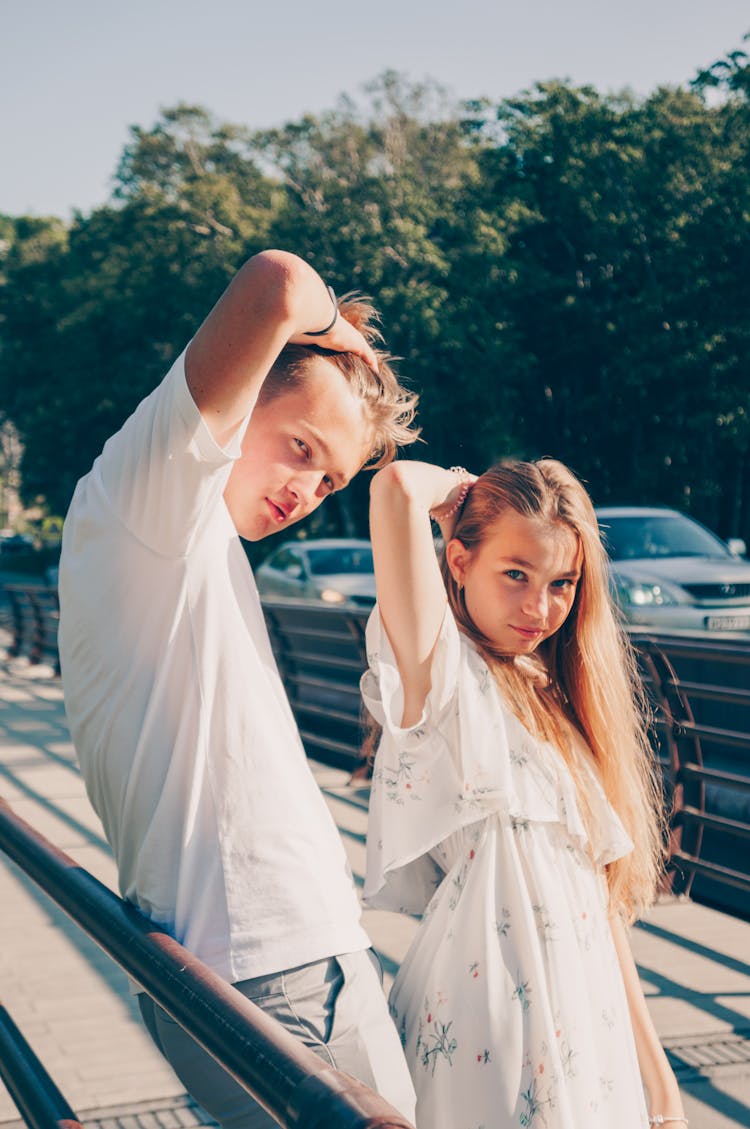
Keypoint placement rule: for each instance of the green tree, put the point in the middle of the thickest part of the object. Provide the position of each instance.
(614, 236)
(562, 273)
(92, 316)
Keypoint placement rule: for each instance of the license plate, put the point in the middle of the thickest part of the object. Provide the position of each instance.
(728, 622)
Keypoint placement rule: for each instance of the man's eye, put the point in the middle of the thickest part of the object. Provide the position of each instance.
(303, 447)
(329, 483)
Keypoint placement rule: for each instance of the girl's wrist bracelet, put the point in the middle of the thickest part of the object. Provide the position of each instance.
(660, 1119)
(439, 514)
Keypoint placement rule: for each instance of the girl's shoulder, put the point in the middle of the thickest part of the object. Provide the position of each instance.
(381, 685)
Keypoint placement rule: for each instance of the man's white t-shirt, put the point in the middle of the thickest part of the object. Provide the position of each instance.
(185, 737)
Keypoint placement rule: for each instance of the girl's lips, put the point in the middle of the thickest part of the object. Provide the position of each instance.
(528, 632)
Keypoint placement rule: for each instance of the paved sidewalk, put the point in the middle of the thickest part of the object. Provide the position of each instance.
(73, 1006)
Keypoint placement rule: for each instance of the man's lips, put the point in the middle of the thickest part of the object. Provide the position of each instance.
(278, 512)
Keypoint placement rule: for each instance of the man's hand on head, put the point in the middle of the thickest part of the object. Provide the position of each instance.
(342, 337)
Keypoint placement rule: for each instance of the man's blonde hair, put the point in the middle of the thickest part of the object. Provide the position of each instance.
(390, 407)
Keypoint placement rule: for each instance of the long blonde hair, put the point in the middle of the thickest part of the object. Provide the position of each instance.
(584, 676)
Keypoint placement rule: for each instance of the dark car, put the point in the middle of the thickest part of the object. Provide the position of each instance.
(669, 571)
(334, 570)
(15, 544)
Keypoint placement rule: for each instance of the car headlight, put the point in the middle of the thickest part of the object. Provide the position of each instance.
(332, 596)
(641, 594)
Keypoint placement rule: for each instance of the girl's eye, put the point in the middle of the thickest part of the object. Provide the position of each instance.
(514, 573)
(563, 582)
(329, 483)
(303, 447)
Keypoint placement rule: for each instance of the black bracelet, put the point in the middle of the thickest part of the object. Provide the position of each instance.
(329, 327)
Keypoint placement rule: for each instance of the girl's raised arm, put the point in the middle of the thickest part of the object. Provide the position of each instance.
(411, 594)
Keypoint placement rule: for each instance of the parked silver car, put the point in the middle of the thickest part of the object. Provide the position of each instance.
(335, 570)
(669, 571)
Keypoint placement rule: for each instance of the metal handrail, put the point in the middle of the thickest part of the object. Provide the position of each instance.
(36, 1096)
(722, 874)
(715, 734)
(686, 772)
(698, 772)
(717, 822)
(297, 1088)
(39, 606)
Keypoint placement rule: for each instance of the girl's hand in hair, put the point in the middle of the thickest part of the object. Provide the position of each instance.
(411, 593)
(446, 514)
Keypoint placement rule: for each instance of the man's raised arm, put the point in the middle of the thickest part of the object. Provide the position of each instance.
(274, 299)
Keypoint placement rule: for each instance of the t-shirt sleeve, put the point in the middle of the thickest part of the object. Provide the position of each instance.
(420, 794)
(163, 471)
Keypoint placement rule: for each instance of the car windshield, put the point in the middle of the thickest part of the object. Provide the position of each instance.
(658, 536)
(327, 562)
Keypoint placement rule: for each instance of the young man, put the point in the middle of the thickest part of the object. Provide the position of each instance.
(186, 741)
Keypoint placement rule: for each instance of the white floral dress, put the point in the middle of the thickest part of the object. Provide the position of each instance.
(510, 1001)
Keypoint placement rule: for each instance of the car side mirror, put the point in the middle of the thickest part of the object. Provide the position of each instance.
(736, 546)
(294, 570)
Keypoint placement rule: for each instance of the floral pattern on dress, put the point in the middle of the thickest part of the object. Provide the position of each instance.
(522, 992)
(515, 937)
(503, 925)
(435, 1043)
(535, 1098)
(546, 927)
(399, 780)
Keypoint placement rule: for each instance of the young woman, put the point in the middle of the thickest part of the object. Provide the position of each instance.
(514, 804)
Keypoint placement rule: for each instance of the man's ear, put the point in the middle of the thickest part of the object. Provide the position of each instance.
(457, 559)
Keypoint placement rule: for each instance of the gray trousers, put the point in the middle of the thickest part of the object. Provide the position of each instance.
(336, 1007)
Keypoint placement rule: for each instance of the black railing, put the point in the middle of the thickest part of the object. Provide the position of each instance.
(701, 690)
(36, 1096)
(320, 652)
(298, 1089)
(35, 613)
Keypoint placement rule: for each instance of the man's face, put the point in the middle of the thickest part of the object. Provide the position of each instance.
(300, 446)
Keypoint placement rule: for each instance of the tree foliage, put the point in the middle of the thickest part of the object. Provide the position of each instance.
(91, 318)
(560, 273)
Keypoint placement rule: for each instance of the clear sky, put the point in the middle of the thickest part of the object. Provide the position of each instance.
(76, 74)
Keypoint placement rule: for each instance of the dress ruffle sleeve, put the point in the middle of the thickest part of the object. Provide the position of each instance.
(426, 782)
(468, 757)
(609, 839)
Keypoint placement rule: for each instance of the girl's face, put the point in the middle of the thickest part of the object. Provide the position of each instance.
(520, 582)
